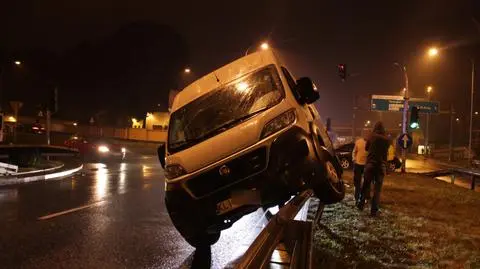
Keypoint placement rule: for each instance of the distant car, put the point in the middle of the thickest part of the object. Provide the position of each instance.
(37, 128)
(97, 149)
(344, 154)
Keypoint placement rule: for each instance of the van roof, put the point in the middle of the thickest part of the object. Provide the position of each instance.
(224, 75)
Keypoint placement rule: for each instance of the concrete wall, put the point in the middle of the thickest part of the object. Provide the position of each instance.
(121, 133)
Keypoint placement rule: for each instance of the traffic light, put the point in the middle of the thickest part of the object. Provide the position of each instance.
(342, 71)
(414, 124)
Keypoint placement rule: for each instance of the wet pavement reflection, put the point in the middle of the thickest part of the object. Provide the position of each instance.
(108, 216)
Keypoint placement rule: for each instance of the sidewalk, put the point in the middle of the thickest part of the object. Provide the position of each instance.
(425, 223)
(45, 171)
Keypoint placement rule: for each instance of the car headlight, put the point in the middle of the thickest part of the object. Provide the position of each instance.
(174, 171)
(103, 149)
(279, 123)
(124, 150)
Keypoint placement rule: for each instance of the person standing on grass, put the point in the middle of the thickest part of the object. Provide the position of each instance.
(359, 157)
(375, 168)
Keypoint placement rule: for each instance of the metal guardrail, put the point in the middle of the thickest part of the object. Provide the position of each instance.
(288, 236)
(473, 173)
(8, 169)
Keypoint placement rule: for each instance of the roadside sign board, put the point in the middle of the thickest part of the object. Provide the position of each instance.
(395, 103)
(404, 141)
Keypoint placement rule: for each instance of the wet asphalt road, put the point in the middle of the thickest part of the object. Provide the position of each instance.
(109, 216)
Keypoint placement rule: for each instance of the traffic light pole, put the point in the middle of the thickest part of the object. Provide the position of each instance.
(472, 90)
(404, 116)
(48, 123)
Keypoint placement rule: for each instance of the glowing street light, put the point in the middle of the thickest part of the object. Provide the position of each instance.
(187, 70)
(264, 46)
(476, 112)
(429, 89)
(17, 63)
(432, 52)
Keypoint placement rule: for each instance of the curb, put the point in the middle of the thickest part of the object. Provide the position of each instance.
(57, 175)
(39, 171)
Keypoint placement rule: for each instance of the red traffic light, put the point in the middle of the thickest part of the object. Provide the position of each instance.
(342, 71)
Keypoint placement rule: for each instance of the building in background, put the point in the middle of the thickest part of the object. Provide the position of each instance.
(157, 121)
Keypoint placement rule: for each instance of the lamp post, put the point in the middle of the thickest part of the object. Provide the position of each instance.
(405, 112)
(2, 70)
(263, 46)
(433, 52)
(472, 90)
(427, 130)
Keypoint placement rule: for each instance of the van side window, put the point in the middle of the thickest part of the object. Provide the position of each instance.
(291, 83)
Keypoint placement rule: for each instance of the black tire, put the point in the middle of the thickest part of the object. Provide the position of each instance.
(329, 188)
(189, 224)
(391, 166)
(345, 163)
(326, 182)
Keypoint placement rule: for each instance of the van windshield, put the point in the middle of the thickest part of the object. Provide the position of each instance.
(224, 108)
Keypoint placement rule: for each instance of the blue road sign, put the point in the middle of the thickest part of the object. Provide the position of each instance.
(404, 141)
(395, 103)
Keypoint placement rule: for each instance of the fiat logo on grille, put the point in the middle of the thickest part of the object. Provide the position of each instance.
(224, 170)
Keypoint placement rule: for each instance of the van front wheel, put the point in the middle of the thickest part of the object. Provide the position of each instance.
(327, 184)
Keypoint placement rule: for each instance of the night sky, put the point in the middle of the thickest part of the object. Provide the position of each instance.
(315, 36)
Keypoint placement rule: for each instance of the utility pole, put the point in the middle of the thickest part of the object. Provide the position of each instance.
(450, 144)
(51, 107)
(353, 117)
(472, 90)
(405, 113)
(427, 130)
(49, 114)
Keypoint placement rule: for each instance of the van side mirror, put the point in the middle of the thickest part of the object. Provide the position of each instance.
(161, 155)
(307, 91)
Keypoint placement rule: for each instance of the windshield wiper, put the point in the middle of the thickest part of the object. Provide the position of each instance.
(229, 124)
(219, 129)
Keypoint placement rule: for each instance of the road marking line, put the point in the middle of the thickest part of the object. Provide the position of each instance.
(70, 210)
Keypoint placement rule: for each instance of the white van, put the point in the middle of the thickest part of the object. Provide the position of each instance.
(242, 137)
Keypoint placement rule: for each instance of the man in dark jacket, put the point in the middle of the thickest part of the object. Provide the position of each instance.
(375, 169)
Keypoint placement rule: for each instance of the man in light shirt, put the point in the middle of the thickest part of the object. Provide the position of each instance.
(359, 156)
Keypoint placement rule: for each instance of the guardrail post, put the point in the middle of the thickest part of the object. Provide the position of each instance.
(452, 178)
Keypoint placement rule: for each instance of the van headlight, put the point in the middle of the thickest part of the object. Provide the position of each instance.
(103, 149)
(174, 170)
(284, 120)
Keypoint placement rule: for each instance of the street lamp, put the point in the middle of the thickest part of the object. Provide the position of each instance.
(263, 46)
(404, 112)
(427, 130)
(187, 70)
(432, 52)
